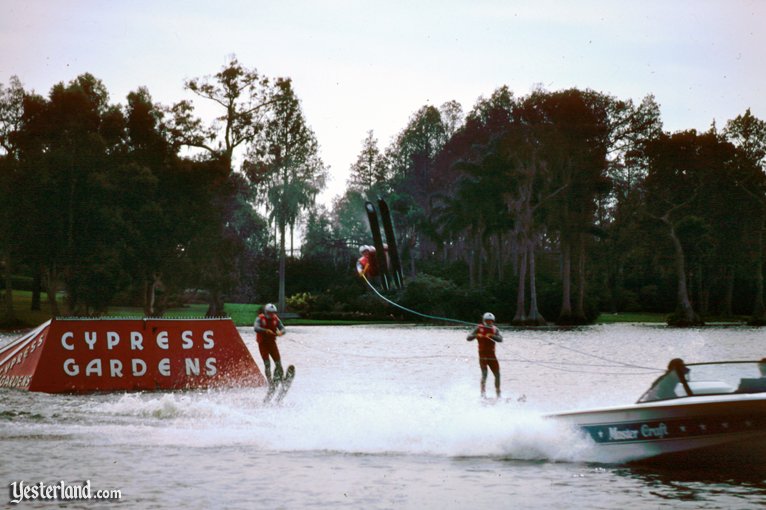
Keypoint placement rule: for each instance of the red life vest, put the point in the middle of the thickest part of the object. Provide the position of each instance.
(268, 323)
(486, 346)
(369, 264)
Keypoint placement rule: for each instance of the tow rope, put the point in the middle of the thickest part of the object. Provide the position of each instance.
(434, 317)
(620, 364)
(583, 368)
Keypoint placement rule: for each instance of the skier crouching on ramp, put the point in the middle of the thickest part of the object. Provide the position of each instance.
(487, 336)
(268, 327)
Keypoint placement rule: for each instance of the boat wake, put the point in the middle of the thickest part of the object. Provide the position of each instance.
(455, 424)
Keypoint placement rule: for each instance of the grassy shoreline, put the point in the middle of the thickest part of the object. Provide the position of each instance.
(244, 314)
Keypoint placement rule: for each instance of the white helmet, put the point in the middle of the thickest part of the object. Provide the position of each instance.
(363, 248)
(270, 308)
(489, 316)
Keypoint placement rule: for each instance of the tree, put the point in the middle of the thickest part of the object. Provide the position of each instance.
(467, 212)
(618, 214)
(526, 194)
(477, 142)
(451, 114)
(349, 220)
(499, 196)
(287, 167)
(683, 167)
(575, 149)
(415, 148)
(155, 220)
(318, 241)
(67, 147)
(494, 113)
(413, 181)
(34, 181)
(11, 113)
(247, 99)
(369, 170)
(749, 134)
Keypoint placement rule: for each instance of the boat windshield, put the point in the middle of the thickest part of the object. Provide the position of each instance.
(709, 379)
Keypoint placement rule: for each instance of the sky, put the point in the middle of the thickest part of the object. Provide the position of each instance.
(369, 65)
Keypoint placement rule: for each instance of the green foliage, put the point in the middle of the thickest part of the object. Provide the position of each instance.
(349, 219)
(242, 314)
(370, 168)
(25, 316)
(453, 271)
(430, 294)
(301, 302)
(96, 198)
(114, 211)
(438, 297)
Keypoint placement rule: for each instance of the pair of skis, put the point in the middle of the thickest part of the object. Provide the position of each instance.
(279, 385)
(389, 265)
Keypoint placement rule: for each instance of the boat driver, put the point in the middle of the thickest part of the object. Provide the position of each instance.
(762, 367)
(665, 386)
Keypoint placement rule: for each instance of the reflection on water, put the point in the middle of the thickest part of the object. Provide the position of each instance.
(381, 417)
(739, 485)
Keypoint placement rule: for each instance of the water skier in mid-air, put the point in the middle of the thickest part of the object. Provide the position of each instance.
(365, 266)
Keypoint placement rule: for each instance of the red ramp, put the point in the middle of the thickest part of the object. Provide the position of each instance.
(93, 355)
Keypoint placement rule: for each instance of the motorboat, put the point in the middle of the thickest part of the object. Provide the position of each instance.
(697, 411)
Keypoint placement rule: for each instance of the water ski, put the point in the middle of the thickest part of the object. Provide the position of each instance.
(279, 384)
(273, 384)
(389, 265)
(380, 252)
(287, 381)
(393, 249)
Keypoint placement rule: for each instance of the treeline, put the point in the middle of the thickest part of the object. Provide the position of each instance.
(549, 207)
(140, 203)
(556, 206)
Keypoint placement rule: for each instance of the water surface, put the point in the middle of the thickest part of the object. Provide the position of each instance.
(383, 417)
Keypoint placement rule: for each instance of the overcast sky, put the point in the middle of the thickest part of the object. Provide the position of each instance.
(369, 65)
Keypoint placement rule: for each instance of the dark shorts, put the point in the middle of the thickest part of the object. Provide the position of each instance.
(268, 347)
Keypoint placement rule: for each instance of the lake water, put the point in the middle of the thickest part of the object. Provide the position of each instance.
(382, 417)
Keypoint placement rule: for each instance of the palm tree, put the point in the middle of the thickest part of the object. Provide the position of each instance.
(291, 172)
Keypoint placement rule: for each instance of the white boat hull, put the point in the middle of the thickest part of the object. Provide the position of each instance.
(720, 428)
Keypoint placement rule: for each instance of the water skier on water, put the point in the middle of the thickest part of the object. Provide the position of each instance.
(487, 336)
(268, 327)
